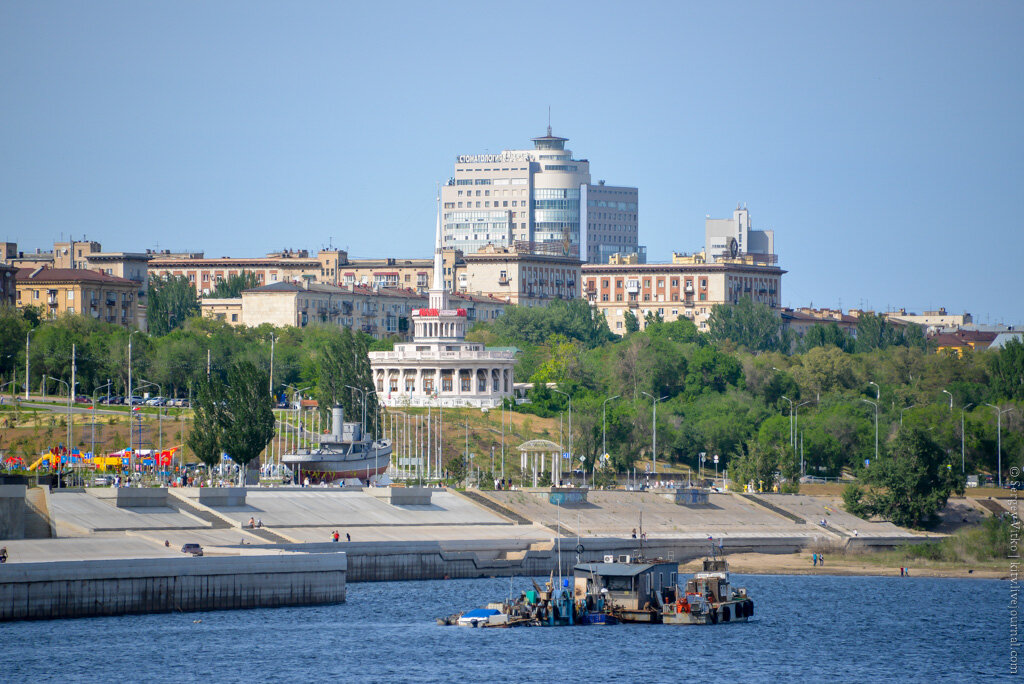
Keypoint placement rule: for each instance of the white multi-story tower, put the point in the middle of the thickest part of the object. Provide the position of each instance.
(439, 368)
(539, 201)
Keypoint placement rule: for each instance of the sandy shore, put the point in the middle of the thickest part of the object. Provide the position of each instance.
(802, 564)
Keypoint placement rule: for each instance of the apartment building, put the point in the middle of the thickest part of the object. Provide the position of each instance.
(688, 288)
(78, 291)
(523, 277)
(380, 312)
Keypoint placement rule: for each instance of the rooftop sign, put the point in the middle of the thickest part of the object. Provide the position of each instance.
(506, 156)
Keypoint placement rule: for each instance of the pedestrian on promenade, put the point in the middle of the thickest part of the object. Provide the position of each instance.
(634, 533)
(348, 537)
(901, 572)
(814, 559)
(335, 535)
(821, 559)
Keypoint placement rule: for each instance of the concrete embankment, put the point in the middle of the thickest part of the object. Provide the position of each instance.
(386, 561)
(68, 589)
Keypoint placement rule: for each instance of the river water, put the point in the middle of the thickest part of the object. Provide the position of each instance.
(819, 628)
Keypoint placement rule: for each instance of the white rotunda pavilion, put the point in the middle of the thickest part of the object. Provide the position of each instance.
(439, 368)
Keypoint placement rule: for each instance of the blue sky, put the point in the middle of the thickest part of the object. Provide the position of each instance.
(880, 140)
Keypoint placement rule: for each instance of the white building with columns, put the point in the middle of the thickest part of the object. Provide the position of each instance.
(439, 368)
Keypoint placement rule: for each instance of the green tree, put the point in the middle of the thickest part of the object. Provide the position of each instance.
(1007, 369)
(747, 324)
(826, 335)
(13, 329)
(909, 486)
(247, 418)
(232, 286)
(755, 464)
(632, 323)
(172, 302)
(204, 439)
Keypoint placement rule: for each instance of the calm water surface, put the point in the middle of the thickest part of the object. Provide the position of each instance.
(818, 628)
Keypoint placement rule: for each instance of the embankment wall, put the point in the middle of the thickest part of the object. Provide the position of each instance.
(30, 591)
(386, 561)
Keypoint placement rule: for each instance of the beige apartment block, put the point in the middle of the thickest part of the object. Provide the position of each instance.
(411, 274)
(227, 310)
(678, 290)
(382, 313)
(79, 291)
(204, 274)
(519, 277)
(939, 319)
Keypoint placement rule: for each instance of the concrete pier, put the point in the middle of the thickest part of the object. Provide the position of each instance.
(66, 589)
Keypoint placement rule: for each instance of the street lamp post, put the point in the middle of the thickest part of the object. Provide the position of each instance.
(963, 439)
(868, 401)
(604, 425)
(68, 446)
(95, 392)
(950, 398)
(130, 367)
(28, 340)
(999, 440)
(906, 408)
(160, 414)
(654, 424)
(569, 397)
(878, 390)
(362, 393)
(796, 429)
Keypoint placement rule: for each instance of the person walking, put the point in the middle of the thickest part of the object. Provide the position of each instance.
(814, 559)
(335, 536)
(348, 537)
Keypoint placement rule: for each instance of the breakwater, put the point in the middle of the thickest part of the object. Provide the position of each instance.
(66, 589)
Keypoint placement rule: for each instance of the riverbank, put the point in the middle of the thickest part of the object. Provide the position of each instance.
(879, 563)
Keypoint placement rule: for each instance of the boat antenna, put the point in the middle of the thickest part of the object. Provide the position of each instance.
(577, 538)
(558, 532)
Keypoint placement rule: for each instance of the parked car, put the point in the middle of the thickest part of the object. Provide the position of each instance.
(103, 481)
(155, 401)
(82, 399)
(194, 549)
(134, 401)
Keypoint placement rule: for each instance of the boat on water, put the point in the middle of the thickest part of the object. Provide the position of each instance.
(708, 597)
(344, 453)
(627, 589)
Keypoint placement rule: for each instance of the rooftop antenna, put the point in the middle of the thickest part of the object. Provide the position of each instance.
(549, 121)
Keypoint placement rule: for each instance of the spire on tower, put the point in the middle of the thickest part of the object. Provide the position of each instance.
(438, 293)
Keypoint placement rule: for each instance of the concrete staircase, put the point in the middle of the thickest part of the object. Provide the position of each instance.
(753, 498)
(267, 535)
(184, 505)
(505, 512)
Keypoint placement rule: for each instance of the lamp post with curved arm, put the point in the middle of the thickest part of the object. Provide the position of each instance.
(654, 425)
(999, 440)
(792, 429)
(868, 401)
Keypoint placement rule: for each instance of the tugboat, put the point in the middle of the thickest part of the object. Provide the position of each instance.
(708, 598)
(343, 453)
